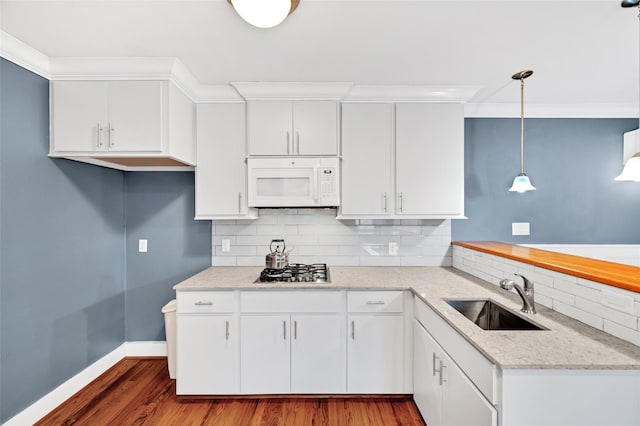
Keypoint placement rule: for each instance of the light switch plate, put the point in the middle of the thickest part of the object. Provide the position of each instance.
(142, 246)
(226, 246)
(520, 228)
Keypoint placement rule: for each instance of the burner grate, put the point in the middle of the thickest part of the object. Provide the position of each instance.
(297, 272)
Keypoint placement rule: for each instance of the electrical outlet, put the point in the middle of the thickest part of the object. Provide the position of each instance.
(520, 228)
(226, 246)
(393, 248)
(142, 246)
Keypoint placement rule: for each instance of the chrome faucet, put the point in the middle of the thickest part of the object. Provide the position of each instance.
(526, 294)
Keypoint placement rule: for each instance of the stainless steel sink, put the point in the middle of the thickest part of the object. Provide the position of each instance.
(489, 315)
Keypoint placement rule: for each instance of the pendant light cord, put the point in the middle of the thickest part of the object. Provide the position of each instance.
(522, 125)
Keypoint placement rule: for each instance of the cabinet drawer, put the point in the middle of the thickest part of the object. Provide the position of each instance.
(474, 365)
(205, 301)
(375, 301)
(292, 301)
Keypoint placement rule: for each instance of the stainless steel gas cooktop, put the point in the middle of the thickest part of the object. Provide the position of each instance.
(297, 273)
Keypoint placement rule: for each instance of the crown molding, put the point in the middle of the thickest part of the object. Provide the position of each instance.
(292, 90)
(511, 110)
(411, 93)
(24, 55)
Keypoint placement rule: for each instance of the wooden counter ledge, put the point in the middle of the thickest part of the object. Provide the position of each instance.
(614, 274)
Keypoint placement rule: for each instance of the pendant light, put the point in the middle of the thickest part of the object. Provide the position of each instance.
(264, 13)
(521, 183)
(631, 170)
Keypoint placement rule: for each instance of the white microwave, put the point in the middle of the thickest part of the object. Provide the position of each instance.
(294, 182)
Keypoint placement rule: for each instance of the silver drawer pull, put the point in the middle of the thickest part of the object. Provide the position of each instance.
(226, 332)
(375, 302)
(442, 369)
(199, 303)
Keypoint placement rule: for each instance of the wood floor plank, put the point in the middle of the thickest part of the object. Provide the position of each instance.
(139, 392)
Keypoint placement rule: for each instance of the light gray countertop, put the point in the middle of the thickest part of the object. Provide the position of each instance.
(567, 344)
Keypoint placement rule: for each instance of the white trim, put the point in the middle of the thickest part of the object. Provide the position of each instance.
(409, 93)
(24, 55)
(158, 348)
(292, 90)
(44, 405)
(506, 110)
(53, 399)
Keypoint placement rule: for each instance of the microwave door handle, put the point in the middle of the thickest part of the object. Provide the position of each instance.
(315, 184)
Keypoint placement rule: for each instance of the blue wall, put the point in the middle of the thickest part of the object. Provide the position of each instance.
(62, 251)
(160, 208)
(572, 163)
(70, 272)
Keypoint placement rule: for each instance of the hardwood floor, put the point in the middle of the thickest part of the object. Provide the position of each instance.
(139, 392)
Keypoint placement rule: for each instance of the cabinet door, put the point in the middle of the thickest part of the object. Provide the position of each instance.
(265, 354)
(374, 354)
(315, 128)
(458, 392)
(206, 356)
(430, 159)
(79, 115)
(135, 116)
(318, 354)
(367, 136)
(426, 387)
(221, 172)
(270, 127)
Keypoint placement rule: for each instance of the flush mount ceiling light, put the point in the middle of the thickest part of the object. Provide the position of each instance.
(631, 154)
(264, 13)
(521, 183)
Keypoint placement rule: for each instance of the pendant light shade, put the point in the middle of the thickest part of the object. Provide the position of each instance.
(264, 13)
(631, 171)
(522, 183)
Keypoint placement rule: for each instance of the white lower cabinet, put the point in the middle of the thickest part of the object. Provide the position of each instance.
(443, 394)
(375, 356)
(265, 355)
(206, 356)
(376, 348)
(284, 352)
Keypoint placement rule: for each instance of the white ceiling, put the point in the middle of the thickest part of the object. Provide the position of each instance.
(582, 52)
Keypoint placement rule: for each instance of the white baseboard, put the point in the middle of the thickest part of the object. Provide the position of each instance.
(47, 403)
(146, 348)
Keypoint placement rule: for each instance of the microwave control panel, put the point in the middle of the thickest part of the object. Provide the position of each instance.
(327, 182)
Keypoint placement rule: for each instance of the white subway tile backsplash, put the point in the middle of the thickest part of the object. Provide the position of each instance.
(625, 333)
(554, 294)
(618, 301)
(605, 312)
(317, 236)
(573, 312)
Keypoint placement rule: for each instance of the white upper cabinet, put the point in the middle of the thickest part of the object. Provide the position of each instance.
(430, 159)
(221, 170)
(122, 124)
(367, 152)
(402, 161)
(293, 128)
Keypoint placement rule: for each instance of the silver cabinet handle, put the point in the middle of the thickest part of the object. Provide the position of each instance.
(436, 359)
(288, 143)
(401, 201)
(111, 137)
(353, 330)
(239, 202)
(442, 378)
(295, 330)
(226, 332)
(284, 329)
(298, 142)
(99, 131)
(384, 202)
(199, 303)
(375, 302)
